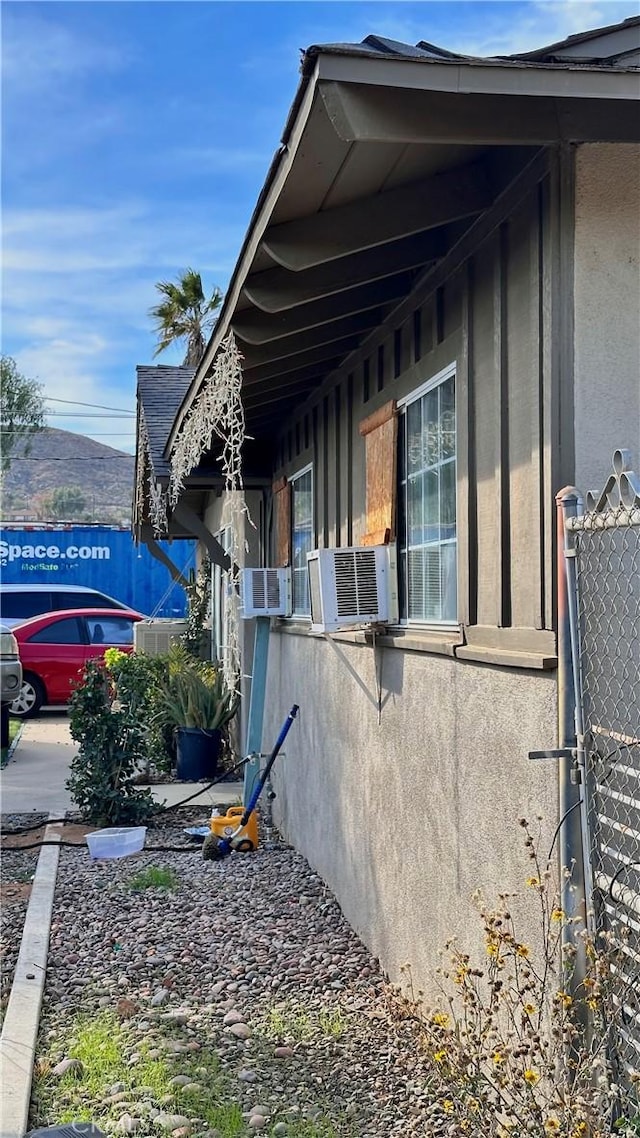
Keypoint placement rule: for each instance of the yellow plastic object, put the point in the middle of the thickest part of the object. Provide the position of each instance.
(225, 825)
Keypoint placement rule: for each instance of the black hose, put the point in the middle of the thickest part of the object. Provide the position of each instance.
(162, 810)
(82, 846)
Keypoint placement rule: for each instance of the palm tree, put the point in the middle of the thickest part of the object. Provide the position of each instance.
(185, 314)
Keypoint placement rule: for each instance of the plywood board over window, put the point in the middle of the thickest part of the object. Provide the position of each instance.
(380, 432)
(282, 521)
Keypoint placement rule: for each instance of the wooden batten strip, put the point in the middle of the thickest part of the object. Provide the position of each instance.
(282, 510)
(378, 418)
(278, 485)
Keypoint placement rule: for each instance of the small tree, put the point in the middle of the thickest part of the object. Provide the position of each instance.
(22, 410)
(67, 502)
(185, 314)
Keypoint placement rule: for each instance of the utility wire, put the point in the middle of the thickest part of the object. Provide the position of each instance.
(78, 403)
(77, 458)
(88, 415)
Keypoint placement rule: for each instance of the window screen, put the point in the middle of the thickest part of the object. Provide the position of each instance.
(302, 538)
(428, 546)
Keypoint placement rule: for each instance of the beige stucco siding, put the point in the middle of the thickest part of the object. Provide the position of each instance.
(607, 309)
(406, 817)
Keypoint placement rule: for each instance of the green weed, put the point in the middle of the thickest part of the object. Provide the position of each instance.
(293, 1022)
(153, 877)
(306, 1129)
(103, 1045)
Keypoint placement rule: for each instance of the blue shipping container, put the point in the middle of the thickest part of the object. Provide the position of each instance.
(99, 557)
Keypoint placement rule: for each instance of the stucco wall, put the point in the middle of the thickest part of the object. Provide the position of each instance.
(607, 309)
(405, 818)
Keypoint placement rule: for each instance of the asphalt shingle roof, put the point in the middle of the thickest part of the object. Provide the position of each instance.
(555, 53)
(161, 389)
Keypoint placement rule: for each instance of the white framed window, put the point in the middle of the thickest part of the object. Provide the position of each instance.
(427, 503)
(302, 537)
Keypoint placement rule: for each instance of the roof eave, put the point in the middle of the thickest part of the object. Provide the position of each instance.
(338, 64)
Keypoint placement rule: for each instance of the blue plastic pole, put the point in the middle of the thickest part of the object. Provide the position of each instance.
(256, 706)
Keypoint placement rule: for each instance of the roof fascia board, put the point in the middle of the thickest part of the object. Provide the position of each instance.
(495, 78)
(257, 227)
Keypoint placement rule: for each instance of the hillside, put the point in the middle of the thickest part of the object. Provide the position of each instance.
(63, 459)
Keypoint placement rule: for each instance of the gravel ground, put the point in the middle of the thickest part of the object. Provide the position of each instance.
(18, 867)
(248, 967)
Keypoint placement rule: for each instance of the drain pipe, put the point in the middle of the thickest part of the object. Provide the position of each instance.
(572, 787)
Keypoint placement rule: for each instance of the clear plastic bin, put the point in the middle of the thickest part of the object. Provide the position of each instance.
(120, 841)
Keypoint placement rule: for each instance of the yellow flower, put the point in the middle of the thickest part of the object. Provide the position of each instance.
(564, 999)
(473, 1105)
(557, 915)
(464, 1125)
(522, 950)
(447, 1106)
(530, 1009)
(592, 1005)
(581, 1128)
(440, 1056)
(531, 1077)
(440, 1019)
(533, 881)
(552, 1125)
(498, 1058)
(492, 948)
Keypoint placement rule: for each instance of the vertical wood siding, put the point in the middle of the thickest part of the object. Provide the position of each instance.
(493, 318)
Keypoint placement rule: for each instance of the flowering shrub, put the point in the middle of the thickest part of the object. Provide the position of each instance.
(518, 1042)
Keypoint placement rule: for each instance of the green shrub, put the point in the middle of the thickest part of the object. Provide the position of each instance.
(138, 686)
(112, 748)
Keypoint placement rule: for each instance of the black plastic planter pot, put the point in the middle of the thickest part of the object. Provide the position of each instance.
(197, 753)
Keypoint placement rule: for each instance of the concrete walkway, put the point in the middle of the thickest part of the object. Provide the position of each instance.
(35, 776)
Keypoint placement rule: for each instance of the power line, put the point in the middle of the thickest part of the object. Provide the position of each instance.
(101, 434)
(86, 415)
(79, 458)
(78, 403)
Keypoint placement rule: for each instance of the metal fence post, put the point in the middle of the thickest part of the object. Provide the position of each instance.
(570, 789)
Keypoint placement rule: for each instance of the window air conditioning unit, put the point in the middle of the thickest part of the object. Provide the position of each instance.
(155, 637)
(356, 585)
(266, 592)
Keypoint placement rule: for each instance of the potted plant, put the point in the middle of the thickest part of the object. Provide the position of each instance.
(200, 704)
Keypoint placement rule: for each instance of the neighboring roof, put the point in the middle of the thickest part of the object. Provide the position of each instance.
(392, 153)
(161, 389)
(567, 48)
(561, 53)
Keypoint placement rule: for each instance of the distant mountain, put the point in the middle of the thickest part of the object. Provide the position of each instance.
(63, 459)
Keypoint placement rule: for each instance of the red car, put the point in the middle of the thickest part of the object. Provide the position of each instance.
(54, 648)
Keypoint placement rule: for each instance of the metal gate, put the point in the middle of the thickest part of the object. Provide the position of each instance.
(604, 544)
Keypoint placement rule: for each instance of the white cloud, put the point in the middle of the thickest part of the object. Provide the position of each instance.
(41, 54)
(537, 24)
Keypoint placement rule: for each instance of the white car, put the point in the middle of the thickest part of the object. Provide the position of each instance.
(21, 602)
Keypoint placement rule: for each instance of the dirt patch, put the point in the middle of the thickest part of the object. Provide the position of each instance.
(14, 892)
(69, 832)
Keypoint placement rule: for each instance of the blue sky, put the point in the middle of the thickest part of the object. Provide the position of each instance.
(136, 138)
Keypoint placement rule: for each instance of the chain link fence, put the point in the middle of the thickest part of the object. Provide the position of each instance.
(606, 540)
